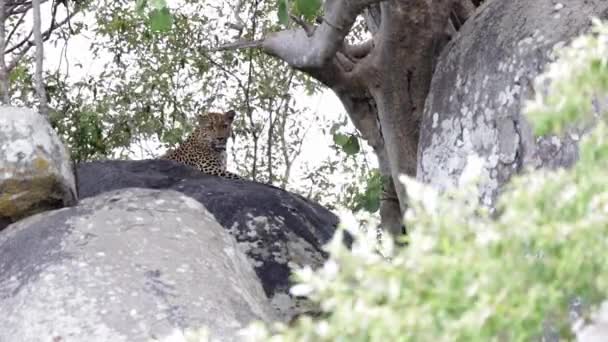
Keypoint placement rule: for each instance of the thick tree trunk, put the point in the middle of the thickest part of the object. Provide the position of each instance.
(383, 83)
(409, 35)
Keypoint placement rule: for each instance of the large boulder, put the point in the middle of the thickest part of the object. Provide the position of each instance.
(35, 169)
(481, 81)
(277, 230)
(126, 265)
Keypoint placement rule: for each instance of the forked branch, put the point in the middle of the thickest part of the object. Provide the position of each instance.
(307, 48)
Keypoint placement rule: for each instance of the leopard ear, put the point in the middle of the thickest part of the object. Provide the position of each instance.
(230, 115)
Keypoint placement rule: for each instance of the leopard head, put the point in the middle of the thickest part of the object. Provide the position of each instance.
(214, 129)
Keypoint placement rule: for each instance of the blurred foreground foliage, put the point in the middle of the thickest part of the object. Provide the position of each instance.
(525, 274)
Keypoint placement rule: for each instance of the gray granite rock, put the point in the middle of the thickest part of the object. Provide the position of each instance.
(126, 265)
(276, 229)
(596, 328)
(482, 79)
(35, 168)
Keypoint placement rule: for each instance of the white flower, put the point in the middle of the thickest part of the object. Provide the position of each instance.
(301, 290)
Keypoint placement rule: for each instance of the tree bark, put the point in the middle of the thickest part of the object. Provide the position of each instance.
(40, 91)
(4, 88)
(409, 34)
(382, 83)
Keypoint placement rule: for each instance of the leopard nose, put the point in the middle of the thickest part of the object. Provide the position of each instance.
(222, 140)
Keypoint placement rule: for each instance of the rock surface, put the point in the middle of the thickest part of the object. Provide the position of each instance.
(482, 79)
(596, 328)
(35, 168)
(127, 265)
(275, 229)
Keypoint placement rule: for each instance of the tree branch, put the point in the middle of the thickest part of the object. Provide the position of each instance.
(373, 18)
(238, 23)
(45, 35)
(19, 22)
(303, 51)
(20, 7)
(12, 64)
(4, 87)
(21, 43)
(462, 10)
(239, 44)
(40, 91)
(308, 28)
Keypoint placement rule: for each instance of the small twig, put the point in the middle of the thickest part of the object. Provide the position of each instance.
(235, 26)
(64, 57)
(247, 94)
(17, 58)
(332, 25)
(226, 71)
(238, 23)
(239, 44)
(309, 29)
(45, 35)
(462, 10)
(21, 43)
(19, 22)
(20, 8)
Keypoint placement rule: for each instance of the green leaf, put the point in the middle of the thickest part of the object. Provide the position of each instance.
(161, 20)
(283, 15)
(352, 146)
(340, 139)
(308, 8)
(140, 5)
(158, 4)
(349, 143)
(371, 202)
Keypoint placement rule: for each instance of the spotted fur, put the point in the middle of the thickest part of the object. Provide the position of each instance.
(205, 148)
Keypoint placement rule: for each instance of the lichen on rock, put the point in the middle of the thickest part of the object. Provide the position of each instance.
(35, 168)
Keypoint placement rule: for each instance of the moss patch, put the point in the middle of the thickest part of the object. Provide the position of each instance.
(24, 197)
(41, 164)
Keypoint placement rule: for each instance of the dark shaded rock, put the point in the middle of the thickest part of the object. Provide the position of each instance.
(275, 229)
(127, 265)
(481, 82)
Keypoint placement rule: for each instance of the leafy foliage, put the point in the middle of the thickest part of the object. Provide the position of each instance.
(308, 9)
(347, 178)
(283, 13)
(581, 69)
(369, 200)
(349, 143)
(520, 275)
(147, 73)
(160, 20)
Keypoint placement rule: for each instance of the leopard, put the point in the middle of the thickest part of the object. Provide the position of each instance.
(205, 148)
